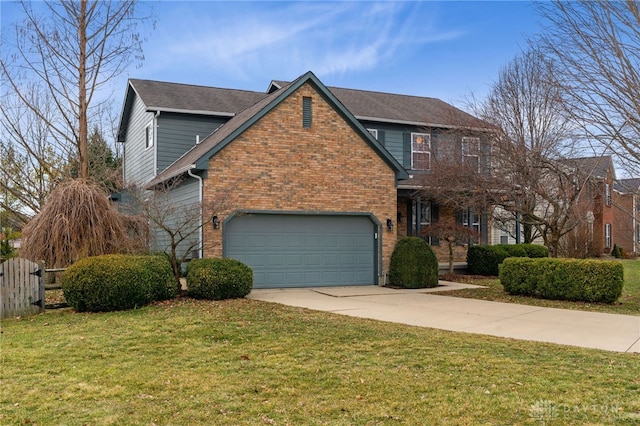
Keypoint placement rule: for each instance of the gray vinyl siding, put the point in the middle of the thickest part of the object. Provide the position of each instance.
(181, 199)
(177, 134)
(391, 137)
(444, 143)
(138, 160)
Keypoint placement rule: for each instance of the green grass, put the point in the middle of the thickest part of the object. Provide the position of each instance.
(245, 362)
(628, 303)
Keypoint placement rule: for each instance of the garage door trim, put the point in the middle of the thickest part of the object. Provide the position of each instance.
(375, 222)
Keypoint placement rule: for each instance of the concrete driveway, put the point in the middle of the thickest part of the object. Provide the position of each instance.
(620, 333)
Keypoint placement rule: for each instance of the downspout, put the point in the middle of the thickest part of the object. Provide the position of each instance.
(155, 143)
(200, 199)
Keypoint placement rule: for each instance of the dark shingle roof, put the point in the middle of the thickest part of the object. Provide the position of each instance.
(597, 167)
(405, 109)
(627, 186)
(163, 96)
(364, 105)
(199, 155)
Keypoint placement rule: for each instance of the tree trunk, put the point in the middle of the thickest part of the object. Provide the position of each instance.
(83, 154)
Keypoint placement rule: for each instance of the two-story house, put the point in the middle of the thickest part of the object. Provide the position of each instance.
(626, 225)
(595, 206)
(323, 180)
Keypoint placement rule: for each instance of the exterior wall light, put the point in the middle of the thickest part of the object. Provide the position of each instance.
(389, 225)
(216, 222)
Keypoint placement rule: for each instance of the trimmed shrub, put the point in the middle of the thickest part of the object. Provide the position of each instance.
(413, 264)
(484, 260)
(535, 250)
(218, 279)
(117, 282)
(563, 279)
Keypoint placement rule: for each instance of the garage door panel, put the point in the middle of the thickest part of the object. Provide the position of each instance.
(303, 250)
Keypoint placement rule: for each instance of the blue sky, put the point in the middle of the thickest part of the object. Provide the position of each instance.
(446, 50)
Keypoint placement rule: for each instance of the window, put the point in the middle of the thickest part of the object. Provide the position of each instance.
(607, 235)
(475, 220)
(425, 213)
(471, 153)
(420, 151)
(149, 136)
(374, 132)
(607, 194)
(306, 112)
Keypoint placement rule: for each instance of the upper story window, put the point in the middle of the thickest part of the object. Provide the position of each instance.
(149, 135)
(607, 194)
(306, 112)
(374, 132)
(471, 153)
(420, 151)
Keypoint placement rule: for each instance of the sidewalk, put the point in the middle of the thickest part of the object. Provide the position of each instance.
(620, 333)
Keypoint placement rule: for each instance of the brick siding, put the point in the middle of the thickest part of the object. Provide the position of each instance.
(278, 165)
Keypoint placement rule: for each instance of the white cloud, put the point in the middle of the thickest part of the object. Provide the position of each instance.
(248, 40)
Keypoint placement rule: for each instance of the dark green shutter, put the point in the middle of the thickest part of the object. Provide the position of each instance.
(406, 160)
(381, 137)
(484, 229)
(435, 217)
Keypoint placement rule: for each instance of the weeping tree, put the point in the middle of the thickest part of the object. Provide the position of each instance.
(77, 221)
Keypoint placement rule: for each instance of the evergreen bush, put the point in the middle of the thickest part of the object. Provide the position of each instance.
(218, 279)
(413, 264)
(117, 282)
(485, 260)
(563, 279)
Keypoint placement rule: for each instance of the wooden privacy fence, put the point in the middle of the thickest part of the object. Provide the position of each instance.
(21, 288)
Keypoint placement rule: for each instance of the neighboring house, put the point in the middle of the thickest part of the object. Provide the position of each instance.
(626, 226)
(596, 206)
(323, 180)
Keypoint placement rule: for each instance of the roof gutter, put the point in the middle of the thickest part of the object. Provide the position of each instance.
(191, 111)
(422, 124)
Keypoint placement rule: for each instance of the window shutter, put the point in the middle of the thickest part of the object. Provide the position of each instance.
(435, 212)
(435, 216)
(484, 229)
(406, 160)
(381, 137)
(306, 112)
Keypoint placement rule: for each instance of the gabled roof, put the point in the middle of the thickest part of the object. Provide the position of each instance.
(185, 98)
(400, 109)
(161, 96)
(198, 157)
(627, 186)
(364, 105)
(597, 167)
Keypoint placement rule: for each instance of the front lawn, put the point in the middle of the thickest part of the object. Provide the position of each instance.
(245, 362)
(628, 304)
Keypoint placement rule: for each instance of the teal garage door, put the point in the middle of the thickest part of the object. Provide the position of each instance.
(303, 250)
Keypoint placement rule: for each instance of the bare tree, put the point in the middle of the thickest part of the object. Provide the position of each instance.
(451, 234)
(533, 186)
(176, 227)
(595, 44)
(70, 50)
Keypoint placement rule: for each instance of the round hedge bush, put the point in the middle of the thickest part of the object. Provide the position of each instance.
(218, 279)
(413, 264)
(117, 282)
